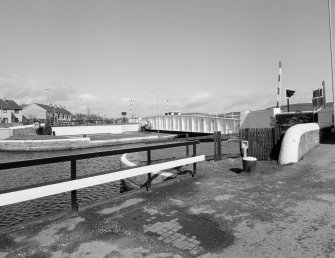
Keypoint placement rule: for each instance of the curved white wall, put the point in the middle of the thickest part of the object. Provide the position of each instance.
(289, 150)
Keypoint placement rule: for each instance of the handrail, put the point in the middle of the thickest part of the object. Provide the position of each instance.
(74, 157)
(56, 159)
(83, 182)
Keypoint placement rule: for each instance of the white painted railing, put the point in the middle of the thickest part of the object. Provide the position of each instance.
(194, 124)
(57, 188)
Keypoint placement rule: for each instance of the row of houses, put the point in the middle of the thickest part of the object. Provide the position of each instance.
(11, 112)
(43, 112)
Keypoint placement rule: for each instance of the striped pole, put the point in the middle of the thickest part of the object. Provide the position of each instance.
(279, 85)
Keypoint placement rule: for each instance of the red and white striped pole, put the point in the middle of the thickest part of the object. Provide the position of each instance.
(279, 85)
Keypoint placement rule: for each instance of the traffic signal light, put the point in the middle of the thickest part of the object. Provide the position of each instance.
(289, 93)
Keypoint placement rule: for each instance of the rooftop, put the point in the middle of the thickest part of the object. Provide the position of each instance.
(9, 104)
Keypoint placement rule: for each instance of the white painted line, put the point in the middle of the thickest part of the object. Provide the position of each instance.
(127, 163)
(43, 191)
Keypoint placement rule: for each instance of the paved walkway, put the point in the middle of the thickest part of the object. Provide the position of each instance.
(278, 212)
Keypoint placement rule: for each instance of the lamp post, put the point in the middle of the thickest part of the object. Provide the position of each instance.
(52, 106)
(78, 98)
(109, 113)
(156, 108)
(331, 55)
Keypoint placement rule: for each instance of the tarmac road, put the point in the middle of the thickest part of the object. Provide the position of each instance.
(277, 212)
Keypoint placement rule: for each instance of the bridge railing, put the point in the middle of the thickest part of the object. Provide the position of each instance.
(30, 192)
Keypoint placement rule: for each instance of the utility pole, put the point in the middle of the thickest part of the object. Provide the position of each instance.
(331, 54)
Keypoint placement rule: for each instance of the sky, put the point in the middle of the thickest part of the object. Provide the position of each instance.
(211, 56)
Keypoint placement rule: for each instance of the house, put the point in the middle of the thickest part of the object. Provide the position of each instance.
(10, 111)
(41, 112)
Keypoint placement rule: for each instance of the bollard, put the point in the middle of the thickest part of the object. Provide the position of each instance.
(249, 164)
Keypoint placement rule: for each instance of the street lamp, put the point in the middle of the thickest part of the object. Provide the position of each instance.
(48, 89)
(156, 108)
(78, 98)
(331, 56)
(109, 113)
(54, 117)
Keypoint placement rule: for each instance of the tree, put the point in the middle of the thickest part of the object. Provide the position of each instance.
(47, 129)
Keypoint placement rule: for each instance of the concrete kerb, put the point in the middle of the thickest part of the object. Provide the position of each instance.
(72, 143)
(43, 145)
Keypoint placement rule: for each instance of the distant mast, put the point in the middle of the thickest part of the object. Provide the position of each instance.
(131, 108)
(279, 85)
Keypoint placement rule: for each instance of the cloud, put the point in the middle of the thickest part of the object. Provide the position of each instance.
(198, 102)
(223, 102)
(26, 90)
(87, 97)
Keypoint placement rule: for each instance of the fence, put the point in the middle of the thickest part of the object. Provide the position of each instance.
(218, 139)
(91, 122)
(264, 143)
(20, 194)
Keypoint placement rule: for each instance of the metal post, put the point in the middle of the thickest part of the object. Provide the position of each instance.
(187, 147)
(331, 54)
(219, 145)
(74, 201)
(215, 146)
(157, 112)
(194, 164)
(324, 93)
(288, 105)
(148, 185)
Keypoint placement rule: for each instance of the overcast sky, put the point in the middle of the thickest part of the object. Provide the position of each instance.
(200, 55)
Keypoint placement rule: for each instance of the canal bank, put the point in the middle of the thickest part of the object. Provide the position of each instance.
(279, 212)
(12, 178)
(72, 142)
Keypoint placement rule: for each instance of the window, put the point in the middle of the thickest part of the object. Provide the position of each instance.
(16, 111)
(4, 110)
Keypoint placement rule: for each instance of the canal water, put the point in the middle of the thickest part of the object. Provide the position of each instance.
(11, 178)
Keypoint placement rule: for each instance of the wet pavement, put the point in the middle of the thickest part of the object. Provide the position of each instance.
(276, 212)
